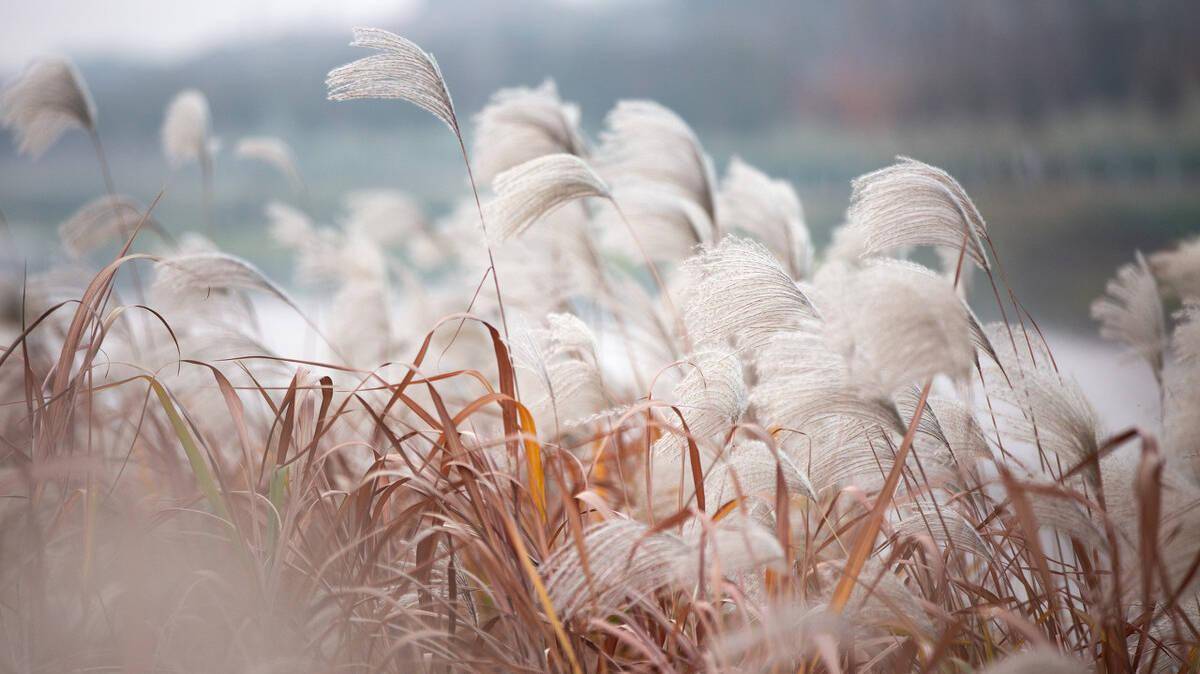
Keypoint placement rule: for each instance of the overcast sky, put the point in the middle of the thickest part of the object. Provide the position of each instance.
(169, 29)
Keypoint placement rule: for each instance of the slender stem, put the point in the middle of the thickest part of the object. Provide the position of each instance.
(487, 242)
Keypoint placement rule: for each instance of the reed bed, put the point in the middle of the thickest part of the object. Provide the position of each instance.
(613, 413)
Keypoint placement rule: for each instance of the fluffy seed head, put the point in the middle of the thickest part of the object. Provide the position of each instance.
(98, 222)
(272, 151)
(536, 188)
(520, 124)
(912, 204)
(400, 70)
(646, 143)
(770, 210)
(186, 128)
(45, 101)
(1131, 312)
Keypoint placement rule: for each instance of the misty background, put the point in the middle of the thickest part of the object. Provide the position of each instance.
(1074, 124)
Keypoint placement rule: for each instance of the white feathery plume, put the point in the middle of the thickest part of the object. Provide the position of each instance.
(645, 142)
(520, 124)
(385, 216)
(910, 204)
(847, 245)
(48, 99)
(787, 633)
(400, 70)
(770, 210)
(360, 319)
(317, 251)
(801, 380)
(563, 357)
(186, 129)
(196, 275)
(1131, 312)
(1051, 410)
(880, 600)
(737, 543)
(358, 258)
(1185, 340)
(896, 323)
(963, 433)
(737, 290)
(1179, 270)
(538, 187)
(929, 425)
(274, 152)
(945, 525)
(538, 288)
(627, 563)
(290, 227)
(749, 470)
(711, 396)
(1181, 393)
(1041, 661)
(842, 450)
(668, 226)
(100, 221)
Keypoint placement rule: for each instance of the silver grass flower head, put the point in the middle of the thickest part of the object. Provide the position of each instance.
(912, 204)
(562, 356)
(318, 251)
(400, 70)
(896, 323)
(529, 192)
(1131, 312)
(272, 151)
(946, 526)
(99, 221)
(738, 291)
(289, 227)
(1047, 408)
(360, 323)
(749, 470)
(961, 429)
(768, 209)
(712, 395)
(46, 100)
(1179, 269)
(1185, 341)
(669, 226)
(1181, 393)
(522, 123)
(886, 603)
(627, 563)
(385, 216)
(737, 543)
(196, 275)
(186, 130)
(801, 380)
(645, 142)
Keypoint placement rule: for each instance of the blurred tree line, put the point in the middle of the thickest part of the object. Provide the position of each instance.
(729, 65)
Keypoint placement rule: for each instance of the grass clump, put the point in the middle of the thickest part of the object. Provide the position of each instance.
(690, 442)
